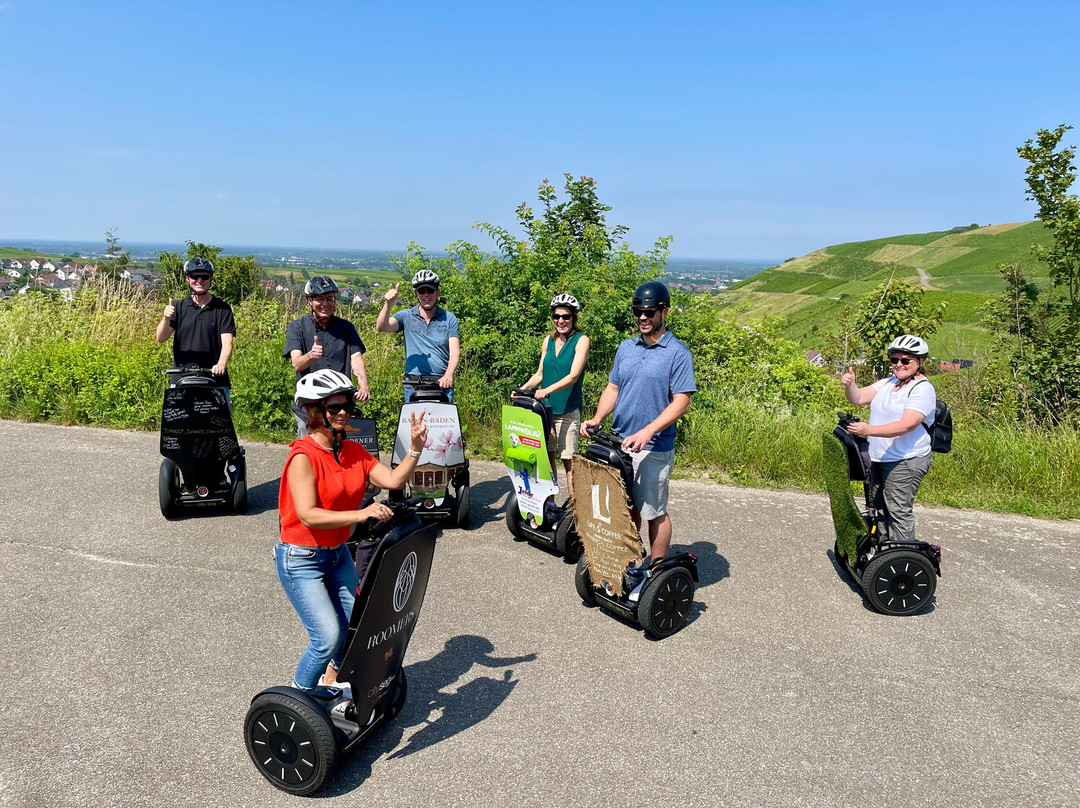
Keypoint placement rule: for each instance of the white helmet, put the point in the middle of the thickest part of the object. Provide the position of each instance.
(320, 385)
(425, 277)
(565, 300)
(916, 346)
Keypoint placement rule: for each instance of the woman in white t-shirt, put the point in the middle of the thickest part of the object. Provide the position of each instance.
(900, 406)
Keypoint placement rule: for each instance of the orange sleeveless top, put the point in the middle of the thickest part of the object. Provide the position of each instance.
(339, 486)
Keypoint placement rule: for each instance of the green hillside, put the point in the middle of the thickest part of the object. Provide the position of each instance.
(959, 268)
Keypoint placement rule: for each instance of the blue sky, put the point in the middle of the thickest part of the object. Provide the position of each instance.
(743, 130)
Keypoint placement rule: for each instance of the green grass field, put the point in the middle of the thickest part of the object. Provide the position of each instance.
(961, 270)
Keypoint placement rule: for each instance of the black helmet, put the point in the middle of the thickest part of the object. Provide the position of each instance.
(199, 264)
(320, 285)
(651, 294)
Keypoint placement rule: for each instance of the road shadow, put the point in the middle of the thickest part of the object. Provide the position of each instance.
(456, 711)
(488, 501)
(264, 497)
(712, 566)
(856, 586)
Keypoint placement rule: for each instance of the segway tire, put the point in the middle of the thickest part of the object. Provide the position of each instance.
(291, 744)
(899, 582)
(169, 488)
(401, 690)
(566, 539)
(463, 504)
(666, 603)
(583, 583)
(239, 497)
(513, 519)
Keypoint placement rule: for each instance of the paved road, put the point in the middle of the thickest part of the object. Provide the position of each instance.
(132, 646)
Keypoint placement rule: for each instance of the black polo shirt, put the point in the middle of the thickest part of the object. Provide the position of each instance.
(338, 339)
(198, 333)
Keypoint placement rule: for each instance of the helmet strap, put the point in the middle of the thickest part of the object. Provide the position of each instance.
(336, 435)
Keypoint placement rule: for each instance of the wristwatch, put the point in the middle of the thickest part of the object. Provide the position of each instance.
(414, 453)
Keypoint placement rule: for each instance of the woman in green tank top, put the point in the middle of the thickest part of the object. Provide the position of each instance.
(559, 377)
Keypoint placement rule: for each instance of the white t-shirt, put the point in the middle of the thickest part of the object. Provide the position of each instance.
(888, 406)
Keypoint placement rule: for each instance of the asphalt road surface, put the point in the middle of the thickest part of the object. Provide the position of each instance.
(132, 646)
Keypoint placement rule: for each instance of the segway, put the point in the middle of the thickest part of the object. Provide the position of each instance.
(204, 463)
(532, 511)
(439, 486)
(295, 737)
(612, 571)
(898, 577)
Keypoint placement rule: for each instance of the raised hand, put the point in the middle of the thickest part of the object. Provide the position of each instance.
(848, 378)
(316, 349)
(392, 295)
(170, 310)
(419, 430)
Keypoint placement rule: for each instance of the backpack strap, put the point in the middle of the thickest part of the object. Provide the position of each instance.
(924, 426)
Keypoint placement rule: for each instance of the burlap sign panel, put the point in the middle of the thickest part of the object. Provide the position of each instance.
(602, 516)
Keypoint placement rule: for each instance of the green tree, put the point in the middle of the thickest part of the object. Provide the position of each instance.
(116, 257)
(1042, 323)
(235, 278)
(892, 309)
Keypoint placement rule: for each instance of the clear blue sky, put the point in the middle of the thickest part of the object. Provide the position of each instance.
(754, 130)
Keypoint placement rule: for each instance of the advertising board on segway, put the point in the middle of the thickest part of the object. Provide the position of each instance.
(204, 464)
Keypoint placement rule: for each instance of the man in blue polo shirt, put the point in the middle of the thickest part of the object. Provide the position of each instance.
(649, 389)
(324, 340)
(432, 336)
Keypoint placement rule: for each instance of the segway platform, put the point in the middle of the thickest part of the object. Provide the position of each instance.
(897, 577)
(439, 487)
(532, 511)
(204, 464)
(656, 595)
(295, 737)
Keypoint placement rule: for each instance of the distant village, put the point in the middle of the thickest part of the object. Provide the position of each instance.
(22, 275)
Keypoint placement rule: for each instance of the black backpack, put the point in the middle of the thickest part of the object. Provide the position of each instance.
(941, 432)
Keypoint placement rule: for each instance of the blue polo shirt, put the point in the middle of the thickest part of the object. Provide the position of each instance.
(648, 377)
(427, 345)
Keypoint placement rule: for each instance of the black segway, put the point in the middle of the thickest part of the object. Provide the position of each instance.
(439, 486)
(295, 737)
(898, 577)
(656, 595)
(533, 511)
(204, 464)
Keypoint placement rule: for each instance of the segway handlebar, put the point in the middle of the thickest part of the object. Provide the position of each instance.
(525, 392)
(611, 439)
(421, 381)
(846, 418)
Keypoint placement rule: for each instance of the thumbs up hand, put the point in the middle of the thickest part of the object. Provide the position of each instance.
(393, 294)
(316, 350)
(848, 378)
(170, 310)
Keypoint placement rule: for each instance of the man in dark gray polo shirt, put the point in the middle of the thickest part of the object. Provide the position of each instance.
(323, 340)
(649, 389)
(432, 335)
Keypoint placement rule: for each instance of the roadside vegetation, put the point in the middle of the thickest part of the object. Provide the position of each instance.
(756, 420)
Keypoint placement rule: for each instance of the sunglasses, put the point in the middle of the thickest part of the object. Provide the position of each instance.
(199, 277)
(348, 407)
(426, 290)
(900, 360)
(562, 317)
(650, 313)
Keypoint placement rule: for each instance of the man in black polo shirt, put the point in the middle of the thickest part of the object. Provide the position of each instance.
(203, 324)
(322, 340)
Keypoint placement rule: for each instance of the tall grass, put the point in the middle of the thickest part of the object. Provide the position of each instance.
(95, 361)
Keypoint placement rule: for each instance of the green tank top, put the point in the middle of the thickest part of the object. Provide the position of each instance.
(557, 367)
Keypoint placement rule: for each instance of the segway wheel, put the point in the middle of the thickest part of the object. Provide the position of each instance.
(169, 488)
(666, 602)
(463, 504)
(401, 690)
(239, 497)
(566, 539)
(583, 583)
(899, 582)
(291, 744)
(513, 519)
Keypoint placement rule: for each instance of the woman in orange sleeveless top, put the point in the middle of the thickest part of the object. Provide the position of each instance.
(322, 488)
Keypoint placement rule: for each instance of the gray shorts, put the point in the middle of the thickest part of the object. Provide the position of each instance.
(652, 473)
(566, 433)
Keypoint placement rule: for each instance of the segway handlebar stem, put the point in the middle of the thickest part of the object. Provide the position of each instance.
(421, 381)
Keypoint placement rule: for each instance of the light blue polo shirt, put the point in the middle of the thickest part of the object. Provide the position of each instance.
(427, 345)
(648, 377)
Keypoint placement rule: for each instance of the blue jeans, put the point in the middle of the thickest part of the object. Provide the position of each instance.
(321, 585)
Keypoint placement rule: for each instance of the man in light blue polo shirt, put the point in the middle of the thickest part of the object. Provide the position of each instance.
(649, 389)
(432, 336)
